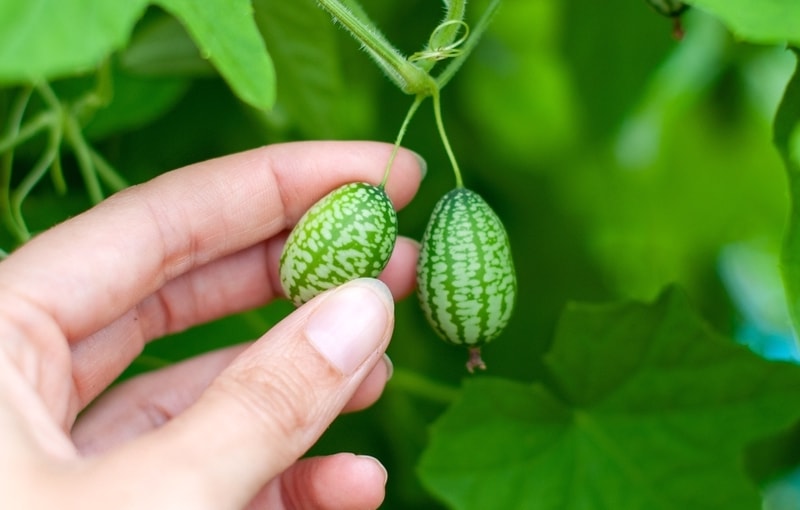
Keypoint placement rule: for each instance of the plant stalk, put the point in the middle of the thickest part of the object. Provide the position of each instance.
(407, 76)
(13, 129)
(74, 136)
(418, 385)
(31, 179)
(437, 111)
(411, 111)
(447, 31)
(476, 32)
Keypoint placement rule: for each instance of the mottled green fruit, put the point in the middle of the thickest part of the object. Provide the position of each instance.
(350, 233)
(465, 275)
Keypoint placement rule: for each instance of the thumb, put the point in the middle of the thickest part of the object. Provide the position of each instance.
(270, 405)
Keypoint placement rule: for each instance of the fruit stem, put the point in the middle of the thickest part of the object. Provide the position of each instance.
(475, 360)
(437, 112)
(411, 111)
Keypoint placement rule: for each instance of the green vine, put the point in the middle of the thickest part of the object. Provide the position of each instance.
(412, 74)
(61, 122)
(437, 111)
(407, 76)
(411, 111)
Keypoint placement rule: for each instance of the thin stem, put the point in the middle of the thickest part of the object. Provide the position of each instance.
(418, 385)
(57, 175)
(456, 9)
(98, 97)
(444, 34)
(31, 179)
(411, 111)
(48, 95)
(466, 49)
(410, 78)
(30, 129)
(437, 112)
(83, 154)
(6, 165)
(18, 112)
(107, 172)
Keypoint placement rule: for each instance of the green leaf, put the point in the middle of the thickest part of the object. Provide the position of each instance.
(45, 39)
(307, 62)
(760, 21)
(227, 35)
(161, 47)
(136, 101)
(654, 411)
(786, 136)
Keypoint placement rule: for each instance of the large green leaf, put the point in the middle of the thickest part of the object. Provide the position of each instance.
(161, 47)
(653, 410)
(43, 39)
(762, 21)
(787, 141)
(136, 101)
(304, 47)
(227, 35)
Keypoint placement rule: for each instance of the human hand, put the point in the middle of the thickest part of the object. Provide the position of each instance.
(225, 430)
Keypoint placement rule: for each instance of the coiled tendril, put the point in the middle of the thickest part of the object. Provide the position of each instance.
(443, 52)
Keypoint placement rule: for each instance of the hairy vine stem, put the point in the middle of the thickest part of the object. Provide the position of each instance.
(407, 76)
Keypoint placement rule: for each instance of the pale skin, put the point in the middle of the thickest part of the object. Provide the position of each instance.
(222, 431)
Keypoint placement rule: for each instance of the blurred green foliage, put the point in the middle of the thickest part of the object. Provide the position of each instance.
(620, 159)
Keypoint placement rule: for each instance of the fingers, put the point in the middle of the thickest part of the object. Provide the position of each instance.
(231, 284)
(113, 256)
(147, 402)
(265, 409)
(337, 482)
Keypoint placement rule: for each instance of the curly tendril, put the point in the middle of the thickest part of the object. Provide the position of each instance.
(443, 52)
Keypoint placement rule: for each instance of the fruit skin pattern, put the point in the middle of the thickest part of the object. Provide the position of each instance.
(350, 233)
(465, 275)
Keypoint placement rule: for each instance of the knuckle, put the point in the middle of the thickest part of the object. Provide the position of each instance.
(281, 399)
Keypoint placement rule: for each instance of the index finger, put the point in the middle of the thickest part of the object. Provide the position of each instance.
(108, 259)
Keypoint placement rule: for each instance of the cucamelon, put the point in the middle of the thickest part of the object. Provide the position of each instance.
(466, 282)
(350, 233)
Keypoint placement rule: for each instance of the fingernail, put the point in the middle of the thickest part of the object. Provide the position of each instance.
(389, 366)
(423, 165)
(350, 323)
(379, 464)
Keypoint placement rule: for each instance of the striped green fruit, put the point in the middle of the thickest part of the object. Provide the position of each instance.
(465, 274)
(350, 233)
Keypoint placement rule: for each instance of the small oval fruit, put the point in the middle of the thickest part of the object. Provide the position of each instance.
(350, 233)
(466, 282)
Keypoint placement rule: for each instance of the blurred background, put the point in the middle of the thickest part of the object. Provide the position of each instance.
(619, 158)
